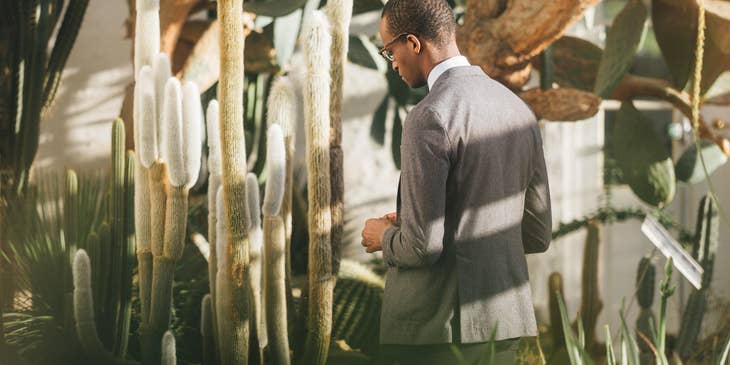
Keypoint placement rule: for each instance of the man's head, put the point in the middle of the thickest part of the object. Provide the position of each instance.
(416, 34)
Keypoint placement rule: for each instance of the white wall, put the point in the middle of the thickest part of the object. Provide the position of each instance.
(76, 133)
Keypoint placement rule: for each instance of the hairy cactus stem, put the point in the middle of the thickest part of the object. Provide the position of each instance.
(321, 280)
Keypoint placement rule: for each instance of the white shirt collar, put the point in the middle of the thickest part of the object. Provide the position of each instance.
(442, 67)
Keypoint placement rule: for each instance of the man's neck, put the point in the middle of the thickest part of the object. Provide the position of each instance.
(437, 56)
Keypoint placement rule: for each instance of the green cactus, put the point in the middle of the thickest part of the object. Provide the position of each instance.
(555, 287)
(645, 282)
(704, 251)
(358, 297)
(316, 104)
(33, 75)
(591, 304)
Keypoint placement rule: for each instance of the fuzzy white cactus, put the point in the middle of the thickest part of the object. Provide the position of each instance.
(146, 33)
(275, 248)
(172, 123)
(84, 313)
(223, 299)
(192, 132)
(214, 182)
(255, 239)
(317, 42)
(275, 170)
(162, 72)
(147, 117)
(169, 351)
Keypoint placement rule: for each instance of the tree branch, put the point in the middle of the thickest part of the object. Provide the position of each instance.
(632, 87)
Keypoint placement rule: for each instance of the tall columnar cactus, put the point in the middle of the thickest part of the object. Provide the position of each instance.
(705, 248)
(555, 288)
(168, 141)
(84, 313)
(591, 303)
(207, 328)
(169, 351)
(274, 247)
(316, 104)
(34, 58)
(339, 13)
(258, 325)
(233, 157)
(146, 33)
(282, 111)
(645, 282)
(223, 300)
(214, 182)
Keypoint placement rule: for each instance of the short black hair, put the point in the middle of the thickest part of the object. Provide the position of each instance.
(430, 19)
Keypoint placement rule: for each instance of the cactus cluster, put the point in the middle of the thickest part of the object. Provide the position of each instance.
(704, 251)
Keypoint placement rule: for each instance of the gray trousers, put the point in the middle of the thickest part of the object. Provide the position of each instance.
(444, 354)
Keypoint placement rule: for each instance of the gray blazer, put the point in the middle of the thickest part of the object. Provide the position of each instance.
(473, 200)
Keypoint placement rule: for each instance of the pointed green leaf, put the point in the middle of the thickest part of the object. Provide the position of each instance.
(364, 53)
(397, 88)
(675, 28)
(689, 167)
(286, 32)
(377, 128)
(642, 157)
(622, 43)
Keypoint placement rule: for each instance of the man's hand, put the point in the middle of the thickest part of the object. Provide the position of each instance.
(372, 234)
(392, 217)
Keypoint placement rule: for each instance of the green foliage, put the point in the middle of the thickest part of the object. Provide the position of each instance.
(622, 42)
(689, 167)
(33, 74)
(358, 297)
(576, 62)
(643, 160)
(704, 252)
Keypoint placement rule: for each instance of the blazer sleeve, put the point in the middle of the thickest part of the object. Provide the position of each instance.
(418, 241)
(537, 219)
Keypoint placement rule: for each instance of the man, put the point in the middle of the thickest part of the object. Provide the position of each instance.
(473, 200)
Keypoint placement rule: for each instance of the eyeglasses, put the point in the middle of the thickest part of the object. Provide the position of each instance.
(388, 54)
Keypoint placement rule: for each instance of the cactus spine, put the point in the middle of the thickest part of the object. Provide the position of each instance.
(591, 304)
(233, 158)
(316, 103)
(281, 110)
(705, 248)
(274, 248)
(339, 13)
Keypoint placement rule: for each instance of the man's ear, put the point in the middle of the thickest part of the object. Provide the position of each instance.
(414, 43)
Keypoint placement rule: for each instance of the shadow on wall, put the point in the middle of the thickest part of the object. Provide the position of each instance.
(76, 133)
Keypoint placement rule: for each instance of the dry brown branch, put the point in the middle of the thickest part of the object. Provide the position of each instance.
(562, 104)
(504, 42)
